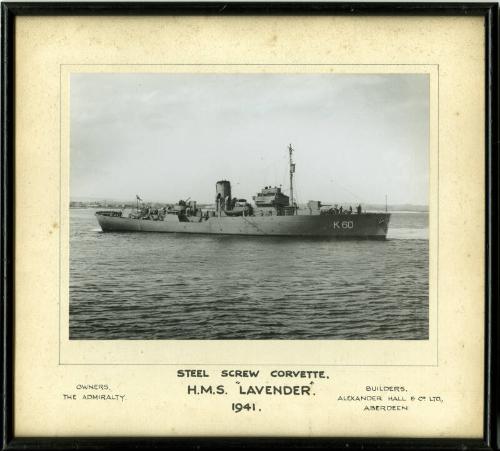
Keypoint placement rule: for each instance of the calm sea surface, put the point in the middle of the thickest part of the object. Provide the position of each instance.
(172, 286)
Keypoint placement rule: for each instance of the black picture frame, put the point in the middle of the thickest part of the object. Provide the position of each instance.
(489, 11)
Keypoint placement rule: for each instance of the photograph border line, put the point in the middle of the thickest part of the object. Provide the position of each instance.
(252, 364)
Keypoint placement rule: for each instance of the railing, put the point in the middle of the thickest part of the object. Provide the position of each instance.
(116, 214)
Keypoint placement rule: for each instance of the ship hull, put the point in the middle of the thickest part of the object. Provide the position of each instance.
(365, 225)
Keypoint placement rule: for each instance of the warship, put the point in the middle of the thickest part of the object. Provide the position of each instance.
(272, 213)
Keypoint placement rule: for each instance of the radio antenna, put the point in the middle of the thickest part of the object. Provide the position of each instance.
(292, 170)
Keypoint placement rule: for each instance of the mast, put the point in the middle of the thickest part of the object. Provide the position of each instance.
(292, 170)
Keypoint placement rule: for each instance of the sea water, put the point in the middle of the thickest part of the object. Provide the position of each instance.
(147, 286)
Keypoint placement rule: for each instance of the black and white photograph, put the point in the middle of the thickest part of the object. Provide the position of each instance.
(249, 206)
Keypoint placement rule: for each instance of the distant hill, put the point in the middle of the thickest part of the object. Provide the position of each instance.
(398, 207)
(83, 202)
(379, 207)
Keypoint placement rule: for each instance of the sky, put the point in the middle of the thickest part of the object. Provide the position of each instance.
(167, 137)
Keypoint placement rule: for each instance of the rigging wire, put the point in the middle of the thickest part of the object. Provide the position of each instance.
(347, 190)
(358, 198)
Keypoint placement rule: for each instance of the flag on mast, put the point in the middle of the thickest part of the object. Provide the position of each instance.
(137, 197)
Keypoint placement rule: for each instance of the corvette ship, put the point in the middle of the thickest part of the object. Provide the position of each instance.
(272, 213)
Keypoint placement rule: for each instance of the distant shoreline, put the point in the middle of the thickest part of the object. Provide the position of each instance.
(79, 205)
